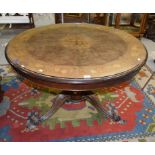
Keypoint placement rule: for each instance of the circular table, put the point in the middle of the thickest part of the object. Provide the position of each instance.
(76, 59)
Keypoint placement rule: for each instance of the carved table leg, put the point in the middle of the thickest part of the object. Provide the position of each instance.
(109, 113)
(33, 117)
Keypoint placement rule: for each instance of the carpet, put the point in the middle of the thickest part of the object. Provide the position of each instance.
(135, 103)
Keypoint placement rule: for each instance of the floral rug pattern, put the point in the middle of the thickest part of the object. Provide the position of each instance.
(135, 103)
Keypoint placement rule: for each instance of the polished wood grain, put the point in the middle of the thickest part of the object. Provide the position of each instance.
(76, 51)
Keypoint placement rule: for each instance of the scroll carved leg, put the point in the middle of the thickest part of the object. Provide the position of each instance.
(33, 117)
(110, 113)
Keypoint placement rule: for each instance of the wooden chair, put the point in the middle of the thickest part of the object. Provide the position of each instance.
(101, 18)
(72, 18)
(96, 18)
(138, 31)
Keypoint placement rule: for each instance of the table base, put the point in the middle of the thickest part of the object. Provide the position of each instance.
(76, 96)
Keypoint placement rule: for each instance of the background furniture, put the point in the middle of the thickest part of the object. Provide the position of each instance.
(101, 18)
(134, 23)
(150, 32)
(16, 18)
(96, 18)
(72, 18)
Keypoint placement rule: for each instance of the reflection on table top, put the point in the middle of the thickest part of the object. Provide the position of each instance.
(76, 51)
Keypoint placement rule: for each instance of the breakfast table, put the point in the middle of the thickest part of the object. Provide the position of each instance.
(77, 59)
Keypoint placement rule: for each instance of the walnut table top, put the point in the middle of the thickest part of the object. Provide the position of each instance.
(76, 52)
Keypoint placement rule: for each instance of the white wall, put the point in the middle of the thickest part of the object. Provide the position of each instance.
(41, 19)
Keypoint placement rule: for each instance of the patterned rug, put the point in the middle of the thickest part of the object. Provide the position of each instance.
(135, 103)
